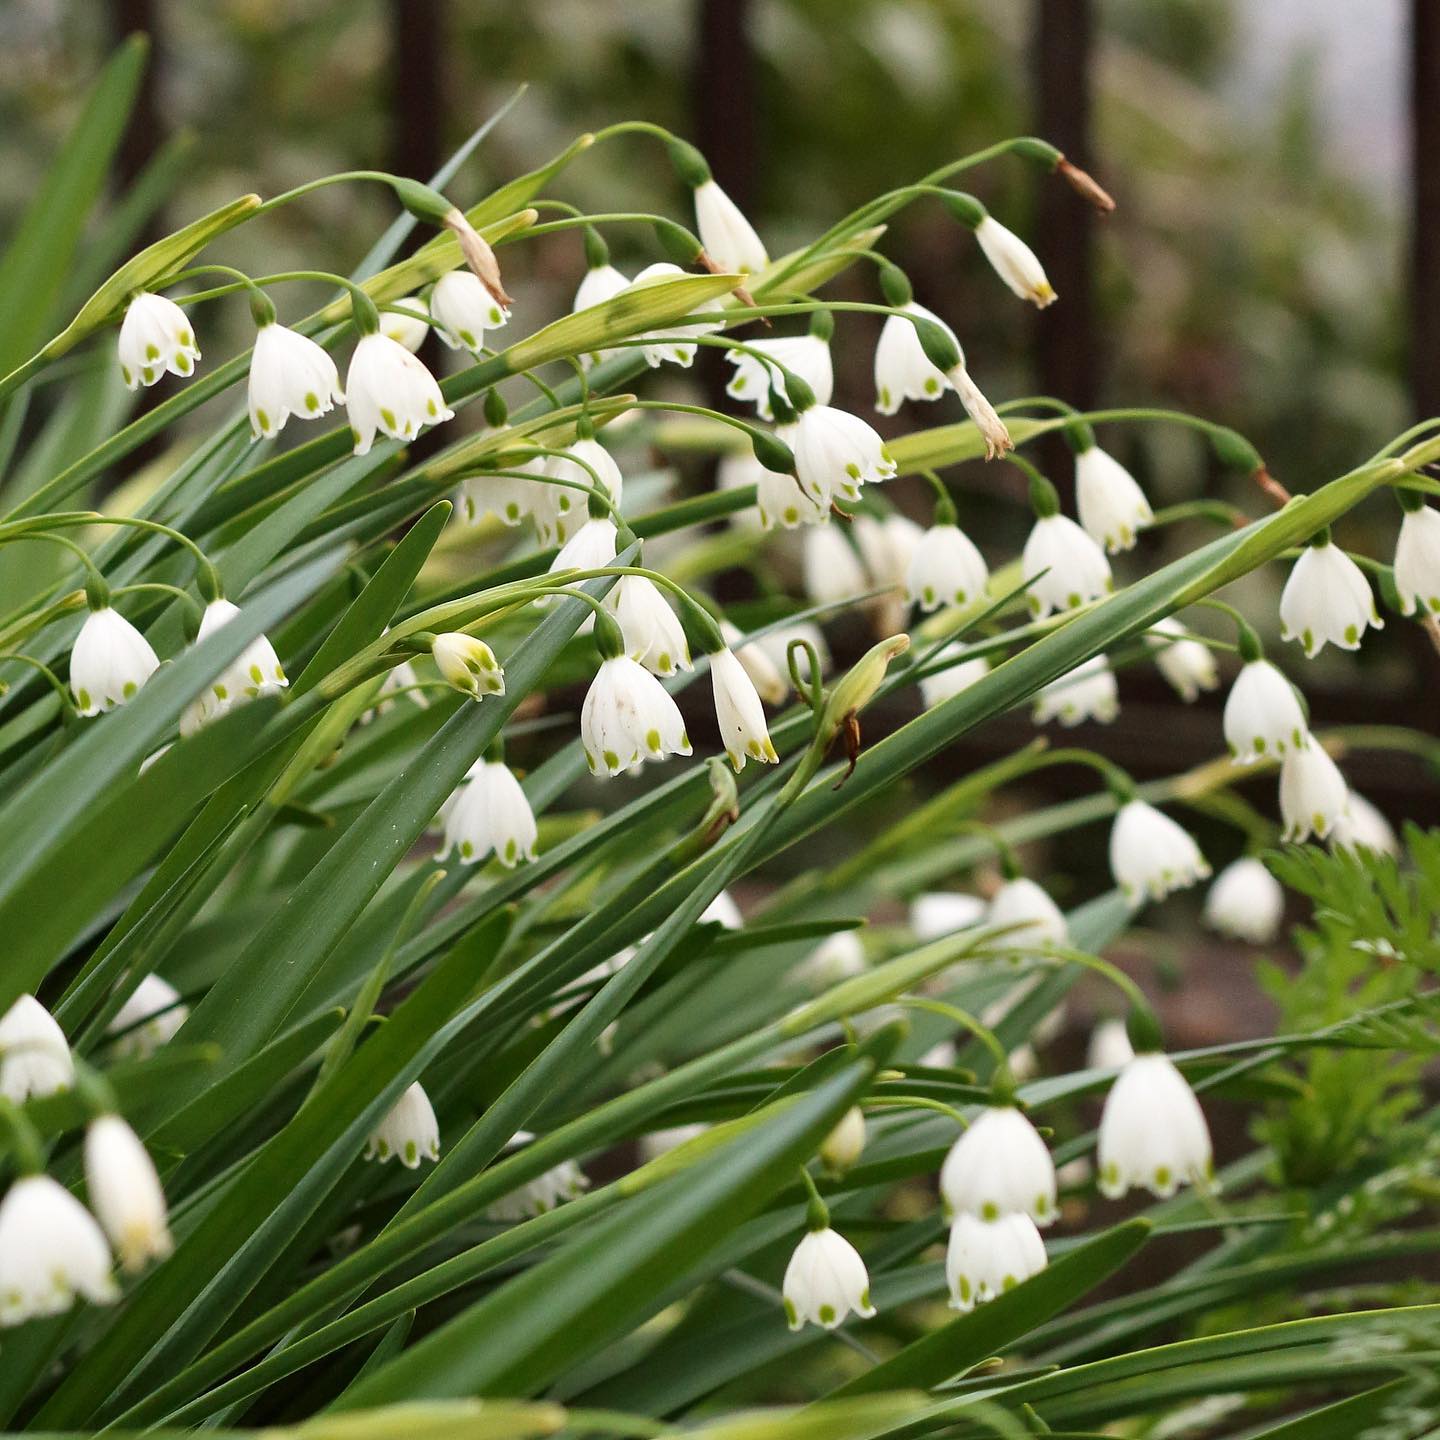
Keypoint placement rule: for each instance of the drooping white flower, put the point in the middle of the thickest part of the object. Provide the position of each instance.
(1187, 664)
(510, 498)
(653, 633)
(836, 453)
(1417, 561)
(1263, 715)
(1313, 793)
(51, 1250)
(600, 283)
(728, 237)
(462, 310)
(1014, 262)
(999, 1166)
(409, 329)
(675, 344)
(256, 671)
(955, 677)
(389, 390)
(781, 500)
(109, 663)
(833, 571)
(1087, 692)
(289, 375)
(946, 569)
(1110, 1047)
(1112, 506)
(565, 1181)
(468, 665)
(1362, 825)
(628, 717)
(1150, 855)
(34, 1054)
(570, 467)
(942, 912)
(155, 336)
(739, 713)
(591, 547)
(807, 356)
(837, 957)
(985, 1258)
(824, 1281)
(1152, 1131)
(490, 814)
(148, 1019)
(903, 371)
(1245, 902)
(1027, 915)
(1326, 597)
(765, 676)
(409, 1131)
(1064, 566)
(844, 1145)
(125, 1193)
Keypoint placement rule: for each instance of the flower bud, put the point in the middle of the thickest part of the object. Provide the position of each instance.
(468, 664)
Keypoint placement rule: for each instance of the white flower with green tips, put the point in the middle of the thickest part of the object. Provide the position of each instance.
(739, 713)
(807, 356)
(462, 310)
(490, 815)
(125, 1193)
(155, 336)
(728, 237)
(1150, 855)
(388, 390)
(1153, 1134)
(1088, 692)
(1014, 262)
(1000, 1166)
(652, 631)
(1326, 599)
(825, 1281)
(468, 665)
(408, 1133)
(1111, 505)
(1313, 793)
(289, 375)
(985, 1258)
(52, 1251)
(109, 663)
(629, 717)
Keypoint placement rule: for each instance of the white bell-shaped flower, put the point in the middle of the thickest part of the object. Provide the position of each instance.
(410, 327)
(289, 375)
(109, 663)
(35, 1057)
(1027, 915)
(1245, 902)
(832, 569)
(490, 815)
(836, 453)
(1112, 506)
(125, 1193)
(825, 1280)
(985, 1258)
(1150, 855)
(942, 912)
(572, 466)
(955, 677)
(1362, 826)
(1153, 1134)
(770, 684)
(1110, 1047)
(1064, 566)
(600, 283)
(155, 336)
(782, 501)
(946, 569)
(653, 633)
(629, 717)
(999, 1166)
(462, 310)
(468, 665)
(389, 390)
(562, 1182)
(409, 1131)
(51, 1250)
(807, 356)
(844, 1145)
(1088, 692)
(1186, 663)
(1014, 262)
(1417, 561)
(1263, 715)
(739, 713)
(147, 1020)
(591, 547)
(903, 371)
(677, 344)
(257, 670)
(1313, 793)
(1326, 598)
(509, 498)
(728, 237)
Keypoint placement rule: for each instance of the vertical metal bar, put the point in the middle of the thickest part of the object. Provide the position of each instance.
(417, 96)
(1424, 313)
(726, 127)
(1063, 48)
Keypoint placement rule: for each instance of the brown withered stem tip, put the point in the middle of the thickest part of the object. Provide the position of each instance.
(1084, 184)
(1271, 486)
(478, 256)
(705, 262)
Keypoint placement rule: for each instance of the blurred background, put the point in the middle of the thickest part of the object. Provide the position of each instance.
(1274, 263)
